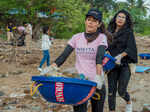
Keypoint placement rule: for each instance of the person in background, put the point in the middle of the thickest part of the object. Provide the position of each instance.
(21, 29)
(21, 38)
(10, 29)
(46, 43)
(51, 35)
(90, 48)
(123, 48)
(28, 36)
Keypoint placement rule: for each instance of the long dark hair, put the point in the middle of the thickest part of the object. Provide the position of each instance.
(128, 23)
(102, 29)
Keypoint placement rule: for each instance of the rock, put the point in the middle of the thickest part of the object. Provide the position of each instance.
(2, 93)
(13, 101)
(21, 106)
(27, 91)
(2, 57)
(28, 97)
(3, 75)
(36, 108)
(16, 95)
(135, 90)
(1, 103)
(30, 60)
(9, 107)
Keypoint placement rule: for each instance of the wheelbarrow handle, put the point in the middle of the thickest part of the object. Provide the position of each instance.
(32, 92)
(98, 96)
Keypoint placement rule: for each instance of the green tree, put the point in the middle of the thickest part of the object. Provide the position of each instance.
(69, 15)
(30, 7)
(73, 12)
(104, 5)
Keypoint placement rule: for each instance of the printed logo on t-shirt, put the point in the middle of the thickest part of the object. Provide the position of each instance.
(86, 50)
(87, 53)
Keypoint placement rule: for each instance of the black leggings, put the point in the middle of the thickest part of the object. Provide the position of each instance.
(97, 105)
(118, 79)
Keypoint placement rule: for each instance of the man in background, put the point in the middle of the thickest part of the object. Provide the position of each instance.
(28, 36)
(10, 29)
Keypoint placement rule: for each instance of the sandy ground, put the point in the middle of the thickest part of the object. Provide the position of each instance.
(16, 70)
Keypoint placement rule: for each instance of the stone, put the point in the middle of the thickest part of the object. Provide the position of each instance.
(2, 75)
(2, 93)
(36, 108)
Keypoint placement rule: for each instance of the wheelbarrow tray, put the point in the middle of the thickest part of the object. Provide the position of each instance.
(144, 55)
(65, 90)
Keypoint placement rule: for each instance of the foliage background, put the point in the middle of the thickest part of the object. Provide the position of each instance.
(69, 16)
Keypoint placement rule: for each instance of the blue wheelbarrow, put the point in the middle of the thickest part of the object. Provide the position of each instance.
(63, 90)
(144, 55)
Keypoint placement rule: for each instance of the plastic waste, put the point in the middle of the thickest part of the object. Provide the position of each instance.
(50, 71)
(81, 76)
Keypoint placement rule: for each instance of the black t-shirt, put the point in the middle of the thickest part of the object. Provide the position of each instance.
(124, 41)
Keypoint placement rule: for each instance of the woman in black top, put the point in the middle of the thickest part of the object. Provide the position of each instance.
(123, 48)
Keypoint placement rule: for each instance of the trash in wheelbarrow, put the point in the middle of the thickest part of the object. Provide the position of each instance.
(51, 71)
(56, 72)
(64, 90)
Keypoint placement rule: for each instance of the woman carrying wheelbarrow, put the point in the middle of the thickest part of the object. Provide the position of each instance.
(90, 48)
(123, 48)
